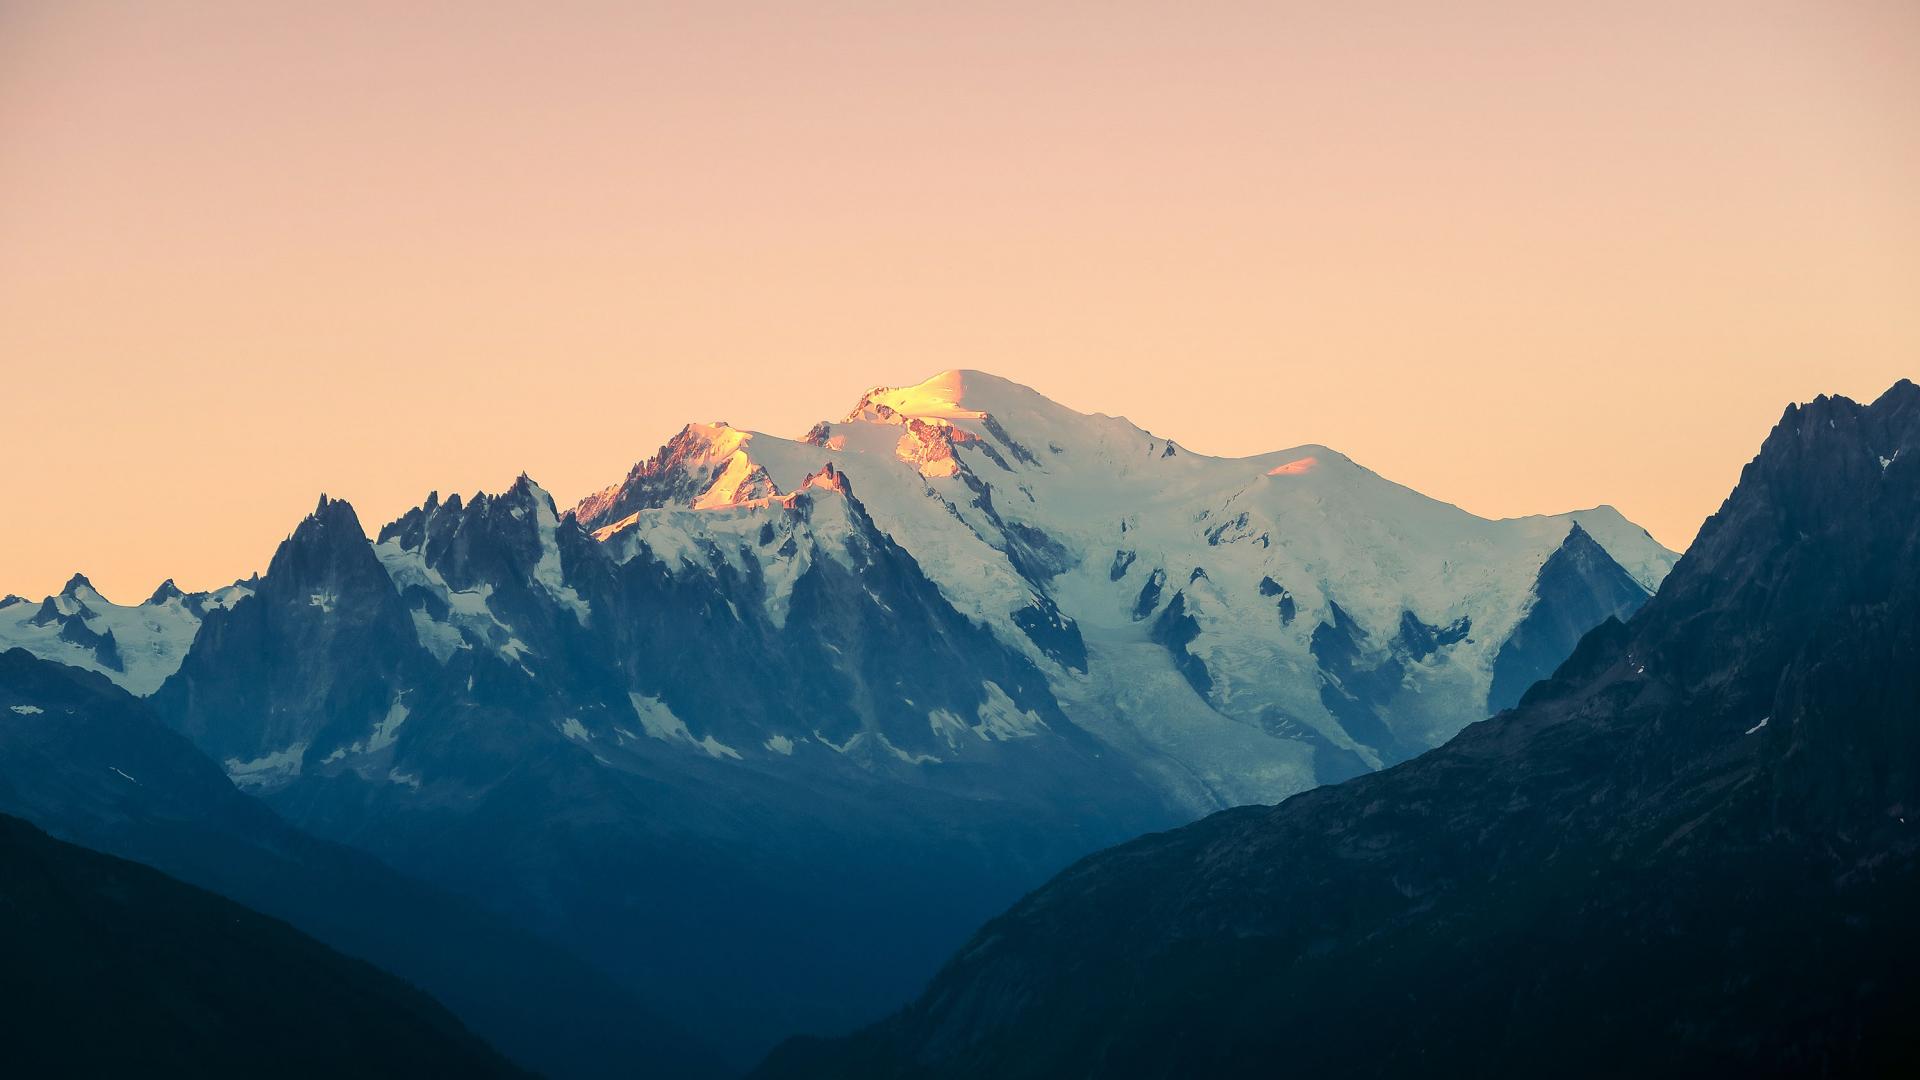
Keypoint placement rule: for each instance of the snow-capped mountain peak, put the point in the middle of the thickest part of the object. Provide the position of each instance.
(703, 466)
(1265, 621)
(137, 646)
(950, 395)
(1118, 560)
(1020, 425)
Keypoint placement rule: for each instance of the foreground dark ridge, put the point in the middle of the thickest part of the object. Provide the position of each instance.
(110, 968)
(95, 767)
(1687, 851)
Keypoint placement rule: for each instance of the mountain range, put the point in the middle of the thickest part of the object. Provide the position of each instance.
(762, 730)
(1691, 851)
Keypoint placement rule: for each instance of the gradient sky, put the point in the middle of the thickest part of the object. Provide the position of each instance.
(1523, 256)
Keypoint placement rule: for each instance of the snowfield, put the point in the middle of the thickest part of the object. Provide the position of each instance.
(1240, 628)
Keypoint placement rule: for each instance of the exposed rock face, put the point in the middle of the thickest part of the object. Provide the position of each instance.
(1689, 851)
(758, 724)
(689, 466)
(315, 656)
(1579, 587)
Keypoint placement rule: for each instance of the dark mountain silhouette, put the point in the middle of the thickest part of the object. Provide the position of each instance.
(111, 968)
(94, 766)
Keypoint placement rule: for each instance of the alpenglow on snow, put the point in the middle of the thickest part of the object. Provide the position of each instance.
(772, 692)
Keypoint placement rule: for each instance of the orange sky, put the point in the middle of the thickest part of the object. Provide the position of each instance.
(1523, 256)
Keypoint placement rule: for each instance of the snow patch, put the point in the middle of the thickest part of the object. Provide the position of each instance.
(469, 617)
(781, 745)
(386, 730)
(740, 480)
(907, 756)
(658, 721)
(947, 725)
(548, 571)
(715, 748)
(440, 639)
(839, 748)
(1001, 719)
(151, 638)
(28, 710)
(382, 736)
(267, 770)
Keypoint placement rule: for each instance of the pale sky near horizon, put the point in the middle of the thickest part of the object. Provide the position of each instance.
(1522, 256)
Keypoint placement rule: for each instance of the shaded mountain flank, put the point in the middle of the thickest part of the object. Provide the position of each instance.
(1691, 851)
(94, 766)
(109, 967)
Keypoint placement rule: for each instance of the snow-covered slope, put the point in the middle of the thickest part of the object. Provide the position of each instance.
(1239, 628)
(1248, 625)
(757, 728)
(823, 703)
(136, 646)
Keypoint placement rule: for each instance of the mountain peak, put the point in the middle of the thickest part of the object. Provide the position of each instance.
(333, 513)
(716, 438)
(957, 394)
(167, 591)
(75, 584)
(1821, 523)
(828, 478)
(329, 516)
(1901, 392)
(526, 487)
(703, 465)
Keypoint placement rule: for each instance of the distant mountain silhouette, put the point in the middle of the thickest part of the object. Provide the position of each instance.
(112, 968)
(93, 765)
